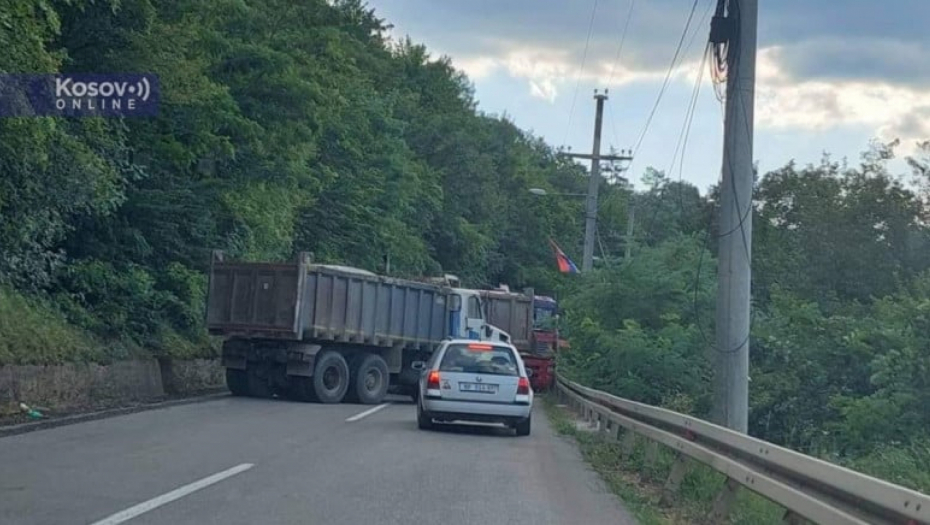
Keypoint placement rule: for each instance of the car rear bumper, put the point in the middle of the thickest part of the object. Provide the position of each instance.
(471, 411)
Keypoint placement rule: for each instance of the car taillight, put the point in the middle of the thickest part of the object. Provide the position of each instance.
(432, 382)
(523, 392)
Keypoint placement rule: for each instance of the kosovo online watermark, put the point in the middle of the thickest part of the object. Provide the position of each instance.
(79, 95)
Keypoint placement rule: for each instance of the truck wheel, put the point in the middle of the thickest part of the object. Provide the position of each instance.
(301, 389)
(258, 385)
(237, 381)
(370, 380)
(330, 377)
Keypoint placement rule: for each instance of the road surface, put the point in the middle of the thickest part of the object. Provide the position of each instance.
(252, 461)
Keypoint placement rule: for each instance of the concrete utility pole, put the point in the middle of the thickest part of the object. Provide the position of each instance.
(731, 388)
(594, 182)
(628, 243)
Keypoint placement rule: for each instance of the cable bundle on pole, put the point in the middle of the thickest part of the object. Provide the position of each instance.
(721, 31)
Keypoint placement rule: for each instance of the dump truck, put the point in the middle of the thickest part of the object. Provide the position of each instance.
(329, 333)
(529, 319)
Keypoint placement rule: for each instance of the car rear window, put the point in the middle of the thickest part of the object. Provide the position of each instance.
(479, 359)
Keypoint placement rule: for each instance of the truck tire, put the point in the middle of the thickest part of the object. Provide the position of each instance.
(523, 426)
(370, 380)
(237, 381)
(330, 377)
(258, 385)
(301, 389)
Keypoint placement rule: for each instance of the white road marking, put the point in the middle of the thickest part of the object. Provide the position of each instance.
(366, 413)
(168, 497)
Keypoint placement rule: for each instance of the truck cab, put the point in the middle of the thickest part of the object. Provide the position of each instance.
(467, 318)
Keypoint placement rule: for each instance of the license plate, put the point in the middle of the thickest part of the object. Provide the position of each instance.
(478, 387)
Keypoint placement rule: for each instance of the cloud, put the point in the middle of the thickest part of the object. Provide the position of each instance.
(545, 90)
(836, 39)
(893, 110)
(867, 59)
(821, 65)
(910, 127)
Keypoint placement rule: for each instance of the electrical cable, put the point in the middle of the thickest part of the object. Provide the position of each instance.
(668, 75)
(686, 125)
(686, 49)
(613, 67)
(584, 57)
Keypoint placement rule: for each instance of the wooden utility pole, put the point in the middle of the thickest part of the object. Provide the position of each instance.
(731, 383)
(594, 183)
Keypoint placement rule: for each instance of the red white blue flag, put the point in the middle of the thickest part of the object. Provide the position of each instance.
(565, 264)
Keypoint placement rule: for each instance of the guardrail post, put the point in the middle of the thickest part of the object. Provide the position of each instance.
(652, 456)
(724, 501)
(628, 444)
(680, 468)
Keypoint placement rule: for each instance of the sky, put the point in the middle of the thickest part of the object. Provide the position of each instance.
(832, 75)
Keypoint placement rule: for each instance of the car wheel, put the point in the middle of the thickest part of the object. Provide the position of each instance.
(523, 426)
(330, 377)
(424, 422)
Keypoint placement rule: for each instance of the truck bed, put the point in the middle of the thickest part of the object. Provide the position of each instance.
(299, 301)
(512, 313)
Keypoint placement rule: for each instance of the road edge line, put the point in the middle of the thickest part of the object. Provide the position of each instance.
(23, 428)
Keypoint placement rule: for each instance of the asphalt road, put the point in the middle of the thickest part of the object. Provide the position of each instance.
(276, 462)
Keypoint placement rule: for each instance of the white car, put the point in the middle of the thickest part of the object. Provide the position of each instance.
(481, 381)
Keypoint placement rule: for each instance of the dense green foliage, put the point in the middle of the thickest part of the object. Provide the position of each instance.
(298, 126)
(284, 127)
(840, 346)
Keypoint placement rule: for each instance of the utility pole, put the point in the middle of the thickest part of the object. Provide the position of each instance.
(628, 244)
(594, 183)
(731, 388)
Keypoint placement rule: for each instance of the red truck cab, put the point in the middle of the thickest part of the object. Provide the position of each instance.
(532, 323)
(546, 343)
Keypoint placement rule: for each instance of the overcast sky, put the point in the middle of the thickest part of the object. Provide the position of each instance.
(832, 74)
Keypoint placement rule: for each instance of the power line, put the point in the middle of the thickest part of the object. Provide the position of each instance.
(687, 48)
(584, 57)
(686, 126)
(613, 67)
(626, 25)
(668, 75)
(686, 132)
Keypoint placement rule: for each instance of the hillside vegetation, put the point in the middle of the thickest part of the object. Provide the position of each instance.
(298, 126)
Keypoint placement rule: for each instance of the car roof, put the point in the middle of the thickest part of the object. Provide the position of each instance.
(473, 341)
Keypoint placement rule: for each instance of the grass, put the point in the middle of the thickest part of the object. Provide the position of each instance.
(35, 332)
(640, 486)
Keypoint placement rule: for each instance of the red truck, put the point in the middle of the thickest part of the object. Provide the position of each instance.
(531, 321)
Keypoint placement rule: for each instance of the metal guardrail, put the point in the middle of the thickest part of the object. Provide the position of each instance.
(807, 487)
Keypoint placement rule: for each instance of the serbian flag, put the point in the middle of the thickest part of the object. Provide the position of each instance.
(565, 264)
